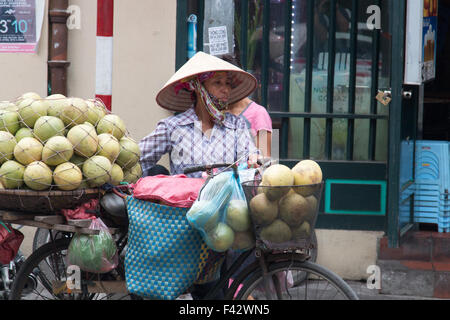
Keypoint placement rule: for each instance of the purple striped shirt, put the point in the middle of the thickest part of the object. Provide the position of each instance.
(181, 136)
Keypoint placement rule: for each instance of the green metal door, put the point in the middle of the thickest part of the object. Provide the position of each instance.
(320, 65)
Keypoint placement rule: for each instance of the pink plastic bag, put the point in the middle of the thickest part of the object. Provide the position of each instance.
(10, 241)
(80, 212)
(176, 191)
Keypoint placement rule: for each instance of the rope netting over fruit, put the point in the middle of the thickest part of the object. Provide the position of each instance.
(60, 143)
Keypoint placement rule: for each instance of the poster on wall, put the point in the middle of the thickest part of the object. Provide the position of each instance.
(429, 38)
(20, 25)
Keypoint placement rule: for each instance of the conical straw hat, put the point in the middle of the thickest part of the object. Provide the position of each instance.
(198, 64)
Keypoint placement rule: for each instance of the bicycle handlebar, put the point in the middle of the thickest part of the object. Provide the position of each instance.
(206, 167)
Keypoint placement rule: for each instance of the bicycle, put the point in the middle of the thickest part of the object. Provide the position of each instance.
(259, 280)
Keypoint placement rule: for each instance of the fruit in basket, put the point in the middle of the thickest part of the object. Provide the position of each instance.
(301, 232)
(243, 240)
(9, 121)
(29, 95)
(220, 238)
(237, 216)
(112, 124)
(74, 113)
(28, 150)
(38, 176)
(23, 133)
(262, 210)
(11, 174)
(57, 150)
(56, 103)
(95, 112)
(130, 153)
(30, 110)
(133, 175)
(84, 140)
(116, 175)
(277, 232)
(293, 209)
(47, 127)
(307, 172)
(7, 145)
(8, 106)
(312, 201)
(108, 146)
(277, 178)
(67, 176)
(97, 171)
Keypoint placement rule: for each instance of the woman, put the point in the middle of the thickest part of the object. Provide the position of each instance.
(203, 133)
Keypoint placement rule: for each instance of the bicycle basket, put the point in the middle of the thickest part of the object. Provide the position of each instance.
(287, 221)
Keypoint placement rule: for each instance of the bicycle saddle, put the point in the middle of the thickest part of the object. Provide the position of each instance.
(114, 205)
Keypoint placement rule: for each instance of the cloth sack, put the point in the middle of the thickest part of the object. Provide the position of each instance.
(10, 241)
(177, 191)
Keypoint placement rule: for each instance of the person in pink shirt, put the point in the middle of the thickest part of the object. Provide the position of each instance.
(257, 118)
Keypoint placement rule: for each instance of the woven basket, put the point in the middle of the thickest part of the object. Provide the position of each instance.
(45, 202)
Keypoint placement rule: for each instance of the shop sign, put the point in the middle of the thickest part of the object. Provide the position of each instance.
(20, 25)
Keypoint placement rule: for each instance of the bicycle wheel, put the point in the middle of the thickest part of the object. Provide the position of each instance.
(42, 236)
(43, 277)
(320, 284)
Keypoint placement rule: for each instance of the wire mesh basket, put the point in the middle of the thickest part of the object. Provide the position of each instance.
(283, 217)
(55, 152)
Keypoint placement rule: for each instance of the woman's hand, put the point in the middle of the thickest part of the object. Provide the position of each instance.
(253, 160)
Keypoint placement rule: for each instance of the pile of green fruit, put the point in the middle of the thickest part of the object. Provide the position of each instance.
(64, 143)
(285, 207)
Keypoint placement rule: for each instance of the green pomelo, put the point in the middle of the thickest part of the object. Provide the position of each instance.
(56, 103)
(67, 176)
(312, 201)
(237, 216)
(220, 238)
(301, 232)
(108, 146)
(116, 175)
(97, 171)
(7, 145)
(262, 210)
(243, 241)
(112, 124)
(307, 172)
(277, 178)
(23, 133)
(38, 176)
(130, 153)
(56, 151)
(84, 140)
(75, 112)
(95, 112)
(47, 127)
(133, 175)
(8, 106)
(78, 160)
(293, 209)
(11, 173)
(28, 95)
(31, 110)
(277, 232)
(9, 121)
(28, 150)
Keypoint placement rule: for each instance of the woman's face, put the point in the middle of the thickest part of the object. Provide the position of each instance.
(219, 86)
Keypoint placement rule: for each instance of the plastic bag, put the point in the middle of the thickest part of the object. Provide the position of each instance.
(94, 253)
(10, 241)
(221, 215)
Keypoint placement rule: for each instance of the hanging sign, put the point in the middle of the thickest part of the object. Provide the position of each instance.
(20, 25)
(218, 40)
(421, 50)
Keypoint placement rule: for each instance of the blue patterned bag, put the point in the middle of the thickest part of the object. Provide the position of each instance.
(165, 255)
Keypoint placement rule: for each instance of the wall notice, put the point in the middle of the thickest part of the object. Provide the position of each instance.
(20, 25)
(218, 40)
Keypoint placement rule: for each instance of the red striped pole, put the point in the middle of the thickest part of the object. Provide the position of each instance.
(104, 55)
